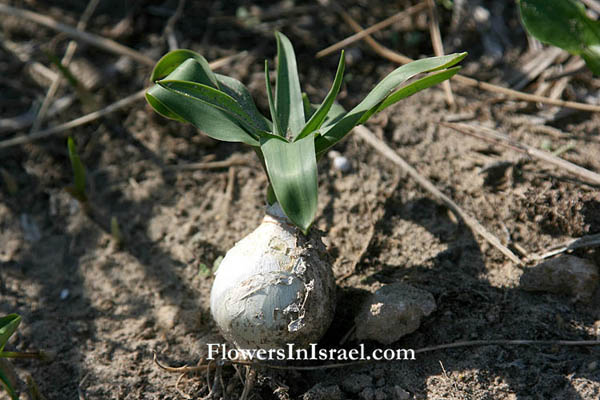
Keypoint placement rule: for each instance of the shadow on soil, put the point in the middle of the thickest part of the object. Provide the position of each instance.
(469, 308)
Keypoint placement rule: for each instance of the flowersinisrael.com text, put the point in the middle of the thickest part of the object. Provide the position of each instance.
(312, 353)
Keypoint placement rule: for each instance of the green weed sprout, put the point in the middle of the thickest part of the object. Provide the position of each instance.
(8, 326)
(564, 24)
(276, 286)
(78, 188)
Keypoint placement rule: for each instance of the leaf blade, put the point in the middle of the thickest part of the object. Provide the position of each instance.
(288, 96)
(416, 86)
(563, 24)
(7, 385)
(292, 170)
(318, 117)
(240, 93)
(212, 122)
(277, 130)
(212, 97)
(386, 87)
(8, 326)
(78, 170)
(173, 59)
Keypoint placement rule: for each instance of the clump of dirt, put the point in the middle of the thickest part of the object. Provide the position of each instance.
(560, 213)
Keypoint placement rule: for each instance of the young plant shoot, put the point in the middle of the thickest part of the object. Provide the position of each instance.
(276, 286)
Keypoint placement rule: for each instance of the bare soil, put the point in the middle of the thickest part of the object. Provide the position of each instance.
(104, 309)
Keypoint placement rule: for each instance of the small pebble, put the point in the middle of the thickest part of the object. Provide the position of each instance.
(64, 294)
(592, 366)
(340, 162)
(354, 383)
(367, 394)
(400, 393)
(321, 392)
(380, 394)
(393, 311)
(566, 274)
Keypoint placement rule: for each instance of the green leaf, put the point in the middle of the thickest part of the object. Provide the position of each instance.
(591, 55)
(78, 171)
(8, 326)
(309, 110)
(379, 94)
(292, 170)
(240, 93)
(417, 86)
(288, 97)
(213, 122)
(6, 383)
(318, 117)
(173, 59)
(215, 98)
(564, 24)
(276, 123)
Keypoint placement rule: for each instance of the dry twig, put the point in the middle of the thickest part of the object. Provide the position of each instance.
(118, 105)
(585, 241)
(96, 114)
(234, 160)
(66, 60)
(95, 40)
(428, 349)
(402, 59)
(471, 222)
(438, 46)
(377, 27)
(489, 134)
(170, 27)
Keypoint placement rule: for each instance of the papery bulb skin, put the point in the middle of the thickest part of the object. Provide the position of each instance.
(274, 287)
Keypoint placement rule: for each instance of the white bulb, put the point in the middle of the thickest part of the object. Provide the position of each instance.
(274, 287)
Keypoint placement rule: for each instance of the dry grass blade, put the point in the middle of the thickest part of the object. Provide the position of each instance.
(471, 222)
(230, 162)
(377, 27)
(438, 46)
(402, 59)
(535, 67)
(585, 241)
(428, 349)
(592, 4)
(76, 122)
(95, 40)
(485, 133)
(118, 105)
(66, 60)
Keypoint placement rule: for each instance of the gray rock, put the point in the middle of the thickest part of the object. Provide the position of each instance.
(566, 274)
(380, 394)
(400, 393)
(354, 383)
(367, 394)
(393, 311)
(321, 392)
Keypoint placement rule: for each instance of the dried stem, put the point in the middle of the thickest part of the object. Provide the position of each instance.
(471, 222)
(502, 139)
(377, 27)
(94, 40)
(118, 105)
(438, 46)
(66, 60)
(402, 59)
(468, 343)
(585, 241)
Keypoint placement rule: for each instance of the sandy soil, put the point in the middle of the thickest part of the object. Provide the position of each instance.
(104, 309)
